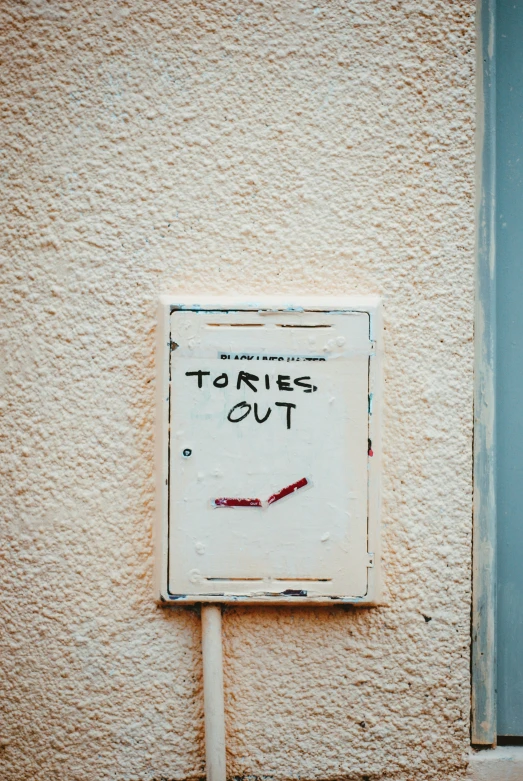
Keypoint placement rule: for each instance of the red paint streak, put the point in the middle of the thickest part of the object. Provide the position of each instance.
(288, 490)
(226, 502)
(371, 453)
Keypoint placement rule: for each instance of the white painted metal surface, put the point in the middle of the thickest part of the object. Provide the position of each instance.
(269, 451)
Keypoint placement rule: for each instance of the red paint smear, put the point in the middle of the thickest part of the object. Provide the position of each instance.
(288, 490)
(225, 502)
(371, 453)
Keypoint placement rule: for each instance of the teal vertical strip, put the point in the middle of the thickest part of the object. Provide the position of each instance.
(509, 365)
(484, 730)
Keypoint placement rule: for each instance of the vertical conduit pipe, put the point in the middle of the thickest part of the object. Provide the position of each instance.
(214, 711)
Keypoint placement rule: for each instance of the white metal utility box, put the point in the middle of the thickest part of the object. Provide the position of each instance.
(268, 446)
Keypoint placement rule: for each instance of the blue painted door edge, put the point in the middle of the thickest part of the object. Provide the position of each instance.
(483, 661)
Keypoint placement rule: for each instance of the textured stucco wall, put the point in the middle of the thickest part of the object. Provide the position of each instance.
(189, 147)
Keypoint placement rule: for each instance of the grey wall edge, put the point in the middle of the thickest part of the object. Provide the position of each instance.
(483, 721)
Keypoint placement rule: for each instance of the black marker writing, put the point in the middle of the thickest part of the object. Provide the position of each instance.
(240, 411)
(289, 407)
(309, 387)
(221, 381)
(258, 419)
(283, 382)
(198, 374)
(248, 380)
(240, 405)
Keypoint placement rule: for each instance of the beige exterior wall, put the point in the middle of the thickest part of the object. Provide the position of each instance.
(229, 147)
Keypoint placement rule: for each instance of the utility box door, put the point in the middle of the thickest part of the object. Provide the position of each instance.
(268, 458)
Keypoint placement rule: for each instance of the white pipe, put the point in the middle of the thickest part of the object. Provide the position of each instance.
(213, 692)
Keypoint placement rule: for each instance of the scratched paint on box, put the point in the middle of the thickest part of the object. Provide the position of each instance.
(288, 490)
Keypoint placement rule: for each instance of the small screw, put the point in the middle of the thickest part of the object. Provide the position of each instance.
(187, 452)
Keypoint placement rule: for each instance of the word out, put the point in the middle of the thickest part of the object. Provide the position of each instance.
(236, 416)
